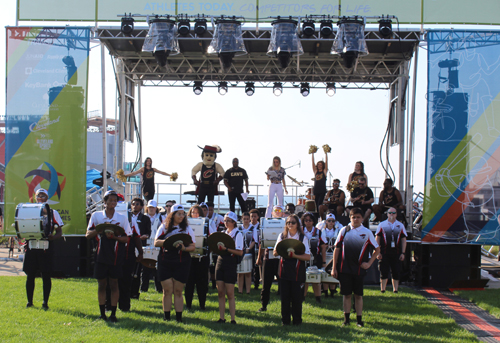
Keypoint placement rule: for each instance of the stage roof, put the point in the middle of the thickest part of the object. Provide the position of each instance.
(377, 70)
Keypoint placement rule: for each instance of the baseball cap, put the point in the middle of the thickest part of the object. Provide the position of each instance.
(152, 203)
(177, 207)
(231, 215)
(41, 190)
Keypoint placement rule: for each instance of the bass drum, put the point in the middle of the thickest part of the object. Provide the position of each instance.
(33, 221)
(200, 229)
(245, 265)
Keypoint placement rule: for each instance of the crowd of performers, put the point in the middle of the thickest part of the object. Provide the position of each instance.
(344, 251)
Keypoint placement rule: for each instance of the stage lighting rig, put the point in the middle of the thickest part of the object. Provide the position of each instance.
(198, 87)
(200, 26)
(183, 27)
(326, 28)
(305, 89)
(127, 26)
(308, 28)
(250, 88)
(331, 89)
(285, 41)
(278, 88)
(350, 40)
(385, 27)
(223, 88)
(161, 39)
(227, 42)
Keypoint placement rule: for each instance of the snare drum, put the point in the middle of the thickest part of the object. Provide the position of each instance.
(245, 265)
(33, 221)
(200, 229)
(327, 277)
(313, 275)
(270, 229)
(150, 256)
(329, 257)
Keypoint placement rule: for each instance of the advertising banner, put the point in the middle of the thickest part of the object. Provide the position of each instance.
(462, 181)
(47, 72)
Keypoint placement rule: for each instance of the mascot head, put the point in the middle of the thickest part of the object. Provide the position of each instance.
(209, 154)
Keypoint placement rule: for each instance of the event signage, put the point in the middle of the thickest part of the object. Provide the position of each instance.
(46, 121)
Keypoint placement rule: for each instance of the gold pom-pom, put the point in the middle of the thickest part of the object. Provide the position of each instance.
(313, 149)
(120, 175)
(326, 148)
(352, 185)
(174, 177)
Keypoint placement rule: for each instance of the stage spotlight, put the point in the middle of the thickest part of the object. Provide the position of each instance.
(308, 28)
(183, 27)
(278, 88)
(127, 25)
(250, 88)
(350, 40)
(227, 42)
(304, 88)
(331, 89)
(222, 88)
(198, 87)
(200, 26)
(161, 40)
(385, 28)
(71, 74)
(326, 28)
(285, 41)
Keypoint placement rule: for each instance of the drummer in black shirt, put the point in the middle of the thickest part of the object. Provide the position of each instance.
(233, 179)
(362, 197)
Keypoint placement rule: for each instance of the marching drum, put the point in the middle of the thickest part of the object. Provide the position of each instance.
(270, 229)
(311, 206)
(329, 257)
(245, 265)
(150, 256)
(123, 208)
(327, 277)
(313, 275)
(200, 229)
(33, 221)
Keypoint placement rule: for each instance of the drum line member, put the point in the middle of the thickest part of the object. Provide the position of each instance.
(208, 169)
(110, 252)
(215, 220)
(389, 197)
(391, 236)
(290, 207)
(204, 207)
(292, 273)
(249, 238)
(276, 186)
(225, 270)
(362, 197)
(173, 266)
(316, 247)
(198, 273)
(233, 179)
(142, 221)
(254, 222)
(329, 233)
(359, 171)
(168, 206)
(269, 267)
(334, 200)
(320, 170)
(41, 259)
(153, 213)
(148, 178)
(351, 260)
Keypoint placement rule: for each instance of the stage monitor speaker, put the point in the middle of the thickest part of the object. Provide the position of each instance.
(262, 212)
(250, 203)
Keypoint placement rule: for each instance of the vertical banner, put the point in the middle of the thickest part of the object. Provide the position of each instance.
(47, 71)
(462, 180)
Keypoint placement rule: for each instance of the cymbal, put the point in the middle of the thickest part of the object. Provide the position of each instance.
(149, 263)
(220, 239)
(172, 241)
(290, 245)
(118, 230)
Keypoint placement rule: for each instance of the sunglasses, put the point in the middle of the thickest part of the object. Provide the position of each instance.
(330, 221)
(308, 220)
(168, 206)
(336, 183)
(391, 212)
(291, 223)
(278, 210)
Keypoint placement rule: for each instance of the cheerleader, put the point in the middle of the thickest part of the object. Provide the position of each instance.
(314, 238)
(225, 270)
(173, 266)
(292, 273)
(329, 233)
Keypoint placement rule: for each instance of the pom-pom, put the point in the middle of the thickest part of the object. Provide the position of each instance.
(174, 177)
(313, 149)
(326, 148)
(120, 174)
(352, 185)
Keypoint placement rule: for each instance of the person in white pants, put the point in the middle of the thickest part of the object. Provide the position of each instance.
(277, 176)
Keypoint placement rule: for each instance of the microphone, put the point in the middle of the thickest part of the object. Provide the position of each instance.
(300, 163)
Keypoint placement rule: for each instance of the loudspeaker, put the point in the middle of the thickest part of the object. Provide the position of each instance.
(250, 204)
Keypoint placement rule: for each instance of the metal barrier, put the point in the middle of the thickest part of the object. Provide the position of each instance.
(94, 200)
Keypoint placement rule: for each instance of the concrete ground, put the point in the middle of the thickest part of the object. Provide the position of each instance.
(10, 267)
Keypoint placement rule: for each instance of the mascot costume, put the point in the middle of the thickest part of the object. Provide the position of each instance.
(211, 173)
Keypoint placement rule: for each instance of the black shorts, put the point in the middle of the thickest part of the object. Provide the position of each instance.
(103, 271)
(350, 283)
(174, 267)
(389, 262)
(37, 260)
(225, 269)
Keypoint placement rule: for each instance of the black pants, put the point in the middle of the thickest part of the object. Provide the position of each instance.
(318, 199)
(137, 274)
(125, 283)
(198, 276)
(147, 273)
(292, 296)
(208, 192)
(232, 200)
(269, 269)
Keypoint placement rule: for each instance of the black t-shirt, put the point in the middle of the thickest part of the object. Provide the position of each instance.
(389, 198)
(148, 181)
(235, 178)
(366, 194)
(319, 183)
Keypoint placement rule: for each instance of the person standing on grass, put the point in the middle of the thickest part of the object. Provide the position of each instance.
(110, 252)
(351, 259)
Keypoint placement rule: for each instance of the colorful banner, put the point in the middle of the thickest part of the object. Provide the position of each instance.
(462, 190)
(47, 71)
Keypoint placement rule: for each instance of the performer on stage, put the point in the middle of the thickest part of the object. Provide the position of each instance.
(148, 178)
(351, 260)
(276, 174)
(225, 270)
(362, 197)
(292, 273)
(249, 239)
(334, 200)
(320, 172)
(173, 266)
(314, 238)
(142, 222)
(389, 197)
(329, 233)
(40, 259)
(233, 179)
(210, 173)
(359, 171)
(198, 273)
(391, 236)
(153, 213)
(110, 252)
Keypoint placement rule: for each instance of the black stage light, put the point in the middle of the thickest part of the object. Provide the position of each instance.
(222, 88)
(331, 89)
(200, 26)
(385, 28)
(308, 28)
(198, 87)
(304, 88)
(326, 28)
(127, 25)
(278, 88)
(250, 88)
(183, 27)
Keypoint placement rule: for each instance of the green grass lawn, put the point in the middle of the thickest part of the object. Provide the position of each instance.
(402, 317)
(489, 299)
